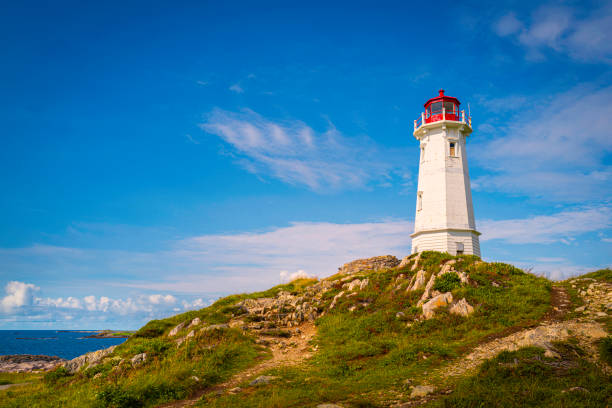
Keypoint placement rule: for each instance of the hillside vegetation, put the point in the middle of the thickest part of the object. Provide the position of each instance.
(427, 332)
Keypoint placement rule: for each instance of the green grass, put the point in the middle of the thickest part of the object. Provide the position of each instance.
(526, 378)
(602, 274)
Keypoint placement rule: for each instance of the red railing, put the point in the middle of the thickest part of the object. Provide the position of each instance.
(438, 115)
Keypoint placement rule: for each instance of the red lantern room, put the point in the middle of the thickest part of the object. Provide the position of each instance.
(441, 107)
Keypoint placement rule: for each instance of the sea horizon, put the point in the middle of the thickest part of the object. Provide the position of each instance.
(66, 344)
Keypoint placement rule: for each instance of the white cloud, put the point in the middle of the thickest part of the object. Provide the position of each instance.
(236, 88)
(18, 294)
(546, 229)
(508, 24)
(20, 298)
(561, 29)
(293, 152)
(285, 276)
(554, 151)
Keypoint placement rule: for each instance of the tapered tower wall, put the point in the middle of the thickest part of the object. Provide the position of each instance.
(444, 218)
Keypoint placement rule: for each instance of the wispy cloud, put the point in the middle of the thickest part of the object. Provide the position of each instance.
(562, 30)
(556, 150)
(236, 88)
(295, 153)
(546, 229)
(190, 139)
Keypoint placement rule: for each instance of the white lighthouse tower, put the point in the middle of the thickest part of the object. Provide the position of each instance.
(444, 212)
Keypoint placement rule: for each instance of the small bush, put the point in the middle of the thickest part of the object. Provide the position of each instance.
(276, 333)
(605, 348)
(55, 375)
(117, 397)
(154, 328)
(602, 274)
(447, 282)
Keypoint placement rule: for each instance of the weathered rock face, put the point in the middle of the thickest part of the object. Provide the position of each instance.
(262, 380)
(370, 264)
(25, 363)
(139, 359)
(461, 308)
(418, 281)
(441, 300)
(421, 391)
(88, 360)
(177, 329)
(356, 284)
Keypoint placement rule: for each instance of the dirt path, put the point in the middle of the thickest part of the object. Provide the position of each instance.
(7, 386)
(551, 329)
(285, 352)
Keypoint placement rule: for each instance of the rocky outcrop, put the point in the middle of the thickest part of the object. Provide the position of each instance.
(421, 391)
(177, 329)
(441, 300)
(25, 363)
(370, 264)
(418, 281)
(262, 380)
(356, 284)
(461, 308)
(138, 359)
(88, 360)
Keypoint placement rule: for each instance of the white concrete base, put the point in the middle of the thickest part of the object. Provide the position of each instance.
(447, 241)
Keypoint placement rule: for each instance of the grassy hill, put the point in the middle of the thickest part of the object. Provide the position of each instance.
(362, 341)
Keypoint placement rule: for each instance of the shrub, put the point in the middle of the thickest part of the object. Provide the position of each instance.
(154, 328)
(605, 348)
(447, 282)
(55, 375)
(117, 397)
(505, 269)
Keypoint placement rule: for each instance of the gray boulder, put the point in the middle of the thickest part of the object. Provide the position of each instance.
(421, 391)
(138, 359)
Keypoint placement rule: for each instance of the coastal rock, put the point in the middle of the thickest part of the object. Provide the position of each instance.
(462, 308)
(176, 329)
(138, 359)
(357, 283)
(428, 290)
(333, 303)
(418, 281)
(194, 322)
(421, 391)
(262, 380)
(370, 264)
(221, 326)
(435, 303)
(329, 406)
(87, 360)
(25, 363)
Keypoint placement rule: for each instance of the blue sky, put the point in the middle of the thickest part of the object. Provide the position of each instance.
(156, 157)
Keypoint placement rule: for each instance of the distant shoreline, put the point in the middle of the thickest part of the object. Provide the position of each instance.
(111, 334)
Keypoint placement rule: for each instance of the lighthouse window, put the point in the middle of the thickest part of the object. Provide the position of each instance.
(422, 153)
(452, 149)
(436, 108)
(449, 107)
(419, 201)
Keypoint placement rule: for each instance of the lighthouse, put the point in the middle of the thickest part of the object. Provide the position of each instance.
(444, 218)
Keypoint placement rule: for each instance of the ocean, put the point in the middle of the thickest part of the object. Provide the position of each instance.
(66, 344)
